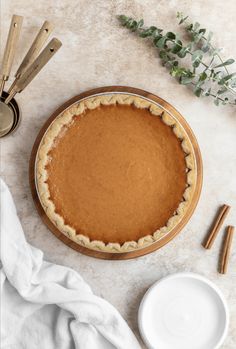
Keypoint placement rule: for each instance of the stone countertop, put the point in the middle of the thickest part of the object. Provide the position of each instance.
(97, 52)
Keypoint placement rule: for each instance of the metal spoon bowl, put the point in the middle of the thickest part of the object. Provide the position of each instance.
(10, 115)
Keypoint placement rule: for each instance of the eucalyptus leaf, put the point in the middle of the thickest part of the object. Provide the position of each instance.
(228, 62)
(222, 90)
(161, 42)
(202, 30)
(134, 25)
(182, 53)
(197, 57)
(152, 28)
(140, 23)
(123, 19)
(216, 101)
(207, 45)
(144, 34)
(189, 27)
(183, 20)
(228, 77)
(178, 71)
(202, 76)
(206, 48)
(185, 80)
(198, 36)
(198, 91)
(181, 17)
(170, 35)
(156, 38)
(233, 83)
(162, 54)
(225, 101)
(177, 46)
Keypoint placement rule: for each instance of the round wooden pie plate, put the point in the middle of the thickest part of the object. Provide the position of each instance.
(154, 246)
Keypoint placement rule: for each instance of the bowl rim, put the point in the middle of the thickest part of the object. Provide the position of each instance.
(195, 276)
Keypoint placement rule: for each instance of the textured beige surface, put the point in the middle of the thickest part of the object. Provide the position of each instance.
(97, 52)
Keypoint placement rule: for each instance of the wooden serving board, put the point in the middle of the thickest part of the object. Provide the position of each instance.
(154, 246)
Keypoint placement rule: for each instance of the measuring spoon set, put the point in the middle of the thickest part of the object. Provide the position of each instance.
(35, 59)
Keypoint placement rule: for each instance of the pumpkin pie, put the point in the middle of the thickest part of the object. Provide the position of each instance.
(115, 172)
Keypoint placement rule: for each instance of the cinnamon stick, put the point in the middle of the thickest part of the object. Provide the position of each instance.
(226, 250)
(216, 226)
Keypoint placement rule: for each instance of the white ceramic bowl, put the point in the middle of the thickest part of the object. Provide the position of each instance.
(183, 311)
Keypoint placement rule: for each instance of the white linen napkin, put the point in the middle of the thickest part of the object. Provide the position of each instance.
(47, 306)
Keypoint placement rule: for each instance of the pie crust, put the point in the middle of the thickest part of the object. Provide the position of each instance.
(65, 118)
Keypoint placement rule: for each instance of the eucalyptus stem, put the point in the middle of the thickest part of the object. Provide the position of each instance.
(184, 19)
(217, 54)
(207, 67)
(215, 96)
(187, 51)
(172, 50)
(189, 27)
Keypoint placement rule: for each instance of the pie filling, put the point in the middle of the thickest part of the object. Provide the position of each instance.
(116, 173)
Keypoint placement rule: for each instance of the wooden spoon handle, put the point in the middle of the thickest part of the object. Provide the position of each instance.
(35, 48)
(34, 68)
(10, 49)
(11, 44)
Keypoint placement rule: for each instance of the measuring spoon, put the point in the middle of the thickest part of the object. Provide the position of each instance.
(26, 77)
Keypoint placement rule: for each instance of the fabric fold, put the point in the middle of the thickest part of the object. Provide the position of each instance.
(45, 305)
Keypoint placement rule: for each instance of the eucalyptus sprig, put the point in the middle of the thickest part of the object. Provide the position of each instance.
(206, 73)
